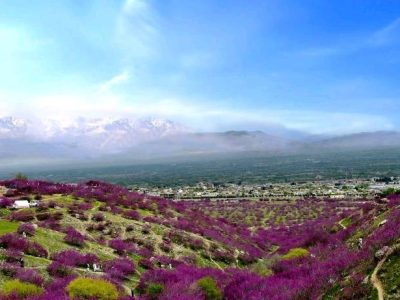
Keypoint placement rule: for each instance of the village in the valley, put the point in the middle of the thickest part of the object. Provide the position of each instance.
(339, 189)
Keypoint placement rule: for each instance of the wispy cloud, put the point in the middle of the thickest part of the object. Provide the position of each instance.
(381, 37)
(114, 81)
(136, 28)
(386, 35)
(16, 40)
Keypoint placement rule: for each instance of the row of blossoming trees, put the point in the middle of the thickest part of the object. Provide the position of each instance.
(288, 250)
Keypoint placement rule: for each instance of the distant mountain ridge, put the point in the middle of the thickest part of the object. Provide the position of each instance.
(363, 140)
(127, 139)
(98, 135)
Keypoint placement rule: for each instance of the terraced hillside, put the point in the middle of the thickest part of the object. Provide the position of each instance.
(100, 241)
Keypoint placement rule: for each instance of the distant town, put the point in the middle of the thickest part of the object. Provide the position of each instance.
(347, 188)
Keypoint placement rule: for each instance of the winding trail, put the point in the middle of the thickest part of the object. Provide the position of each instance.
(375, 280)
(374, 277)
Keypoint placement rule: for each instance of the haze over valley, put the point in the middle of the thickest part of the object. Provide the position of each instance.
(51, 142)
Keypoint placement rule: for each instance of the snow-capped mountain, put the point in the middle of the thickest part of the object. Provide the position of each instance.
(104, 135)
(11, 127)
(128, 139)
(87, 138)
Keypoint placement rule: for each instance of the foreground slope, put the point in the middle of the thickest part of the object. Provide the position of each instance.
(100, 241)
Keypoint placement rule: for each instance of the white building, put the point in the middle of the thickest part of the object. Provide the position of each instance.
(21, 204)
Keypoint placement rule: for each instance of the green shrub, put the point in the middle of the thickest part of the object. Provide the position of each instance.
(210, 288)
(263, 266)
(296, 253)
(21, 289)
(346, 222)
(91, 288)
(154, 290)
(21, 176)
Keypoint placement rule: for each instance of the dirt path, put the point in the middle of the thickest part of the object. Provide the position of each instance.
(375, 280)
(374, 277)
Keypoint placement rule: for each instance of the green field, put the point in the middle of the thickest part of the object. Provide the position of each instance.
(246, 168)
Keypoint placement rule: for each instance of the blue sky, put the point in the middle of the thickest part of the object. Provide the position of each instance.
(315, 66)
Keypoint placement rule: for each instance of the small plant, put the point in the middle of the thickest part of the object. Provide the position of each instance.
(98, 217)
(22, 216)
(30, 276)
(43, 216)
(296, 253)
(119, 268)
(28, 228)
(210, 289)
(36, 249)
(6, 202)
(166, 247)
(132, 215)
(21, 289)
(119, 246)
(146, 263)
(74, 259)
(74, 237)
(154, 290)
(21, 176)
(91, 288)
(14, 242)
(58, 269)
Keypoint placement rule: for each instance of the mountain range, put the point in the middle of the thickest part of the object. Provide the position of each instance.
(33, 140)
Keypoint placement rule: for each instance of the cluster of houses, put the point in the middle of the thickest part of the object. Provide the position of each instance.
(336, 189)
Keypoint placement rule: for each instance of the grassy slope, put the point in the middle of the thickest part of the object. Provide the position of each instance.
(6, 226)
(53, 240)
(390, 276)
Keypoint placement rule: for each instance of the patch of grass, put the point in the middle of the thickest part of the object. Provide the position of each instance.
(374, 295)
(332, 293)
(60, 199)
(102, 252)
(52, 240)
(296, 253)
(154, 290)
(38, 262)
(158, 229)
(209, 287)
(390, 275)
(4, 212)
(145, 212)
(7, 227)
(379, 219)
(346, 222)
(263, 266)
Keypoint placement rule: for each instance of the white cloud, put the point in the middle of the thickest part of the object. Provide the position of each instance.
(116, 80)
(192, 113)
